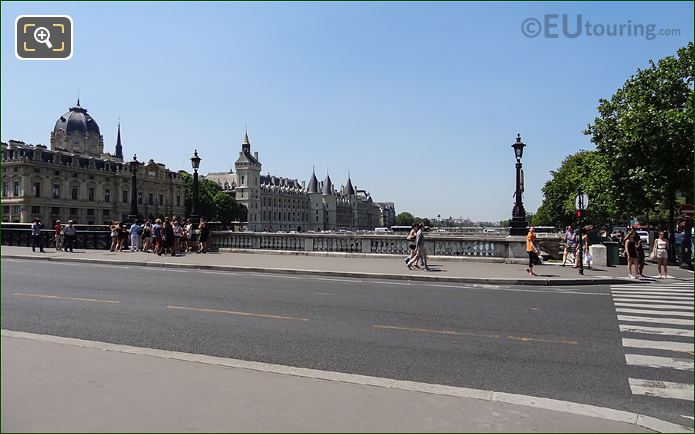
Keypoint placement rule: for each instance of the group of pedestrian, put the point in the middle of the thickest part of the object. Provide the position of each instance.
(64, 236)
(572, 247)
(162, 237)
(418, 251)
(634, 251)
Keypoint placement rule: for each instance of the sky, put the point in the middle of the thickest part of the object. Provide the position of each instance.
(419, 102)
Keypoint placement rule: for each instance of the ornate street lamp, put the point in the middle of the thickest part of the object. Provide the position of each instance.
(195, 162)
(134, 166)
(518, 224)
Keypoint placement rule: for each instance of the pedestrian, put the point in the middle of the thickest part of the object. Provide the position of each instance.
(570, 244)
(639, 245)
(184, 236)
(134, 237)
(58, 235)
(70, 234)
(631, 254)
(660, 254)
(411, 243)
(168, 237)
(178, 233)
(147, 236)
(36, 236)
(114, 235)
(204, 235)
(588, 259)
(421, 250)
(532, 250)
(122, 236)
(157, 234)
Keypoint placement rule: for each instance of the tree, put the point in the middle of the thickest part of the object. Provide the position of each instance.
(227, 209)
(206, 196)
(405, 219)
(645, 134)
(585, 170)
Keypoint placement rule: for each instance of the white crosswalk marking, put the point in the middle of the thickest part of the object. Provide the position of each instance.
(654, 312)
(662, 389)
(662, 302)
(631, 328)
(656, 307)
(629, 318)
(682, 347)
(659, 362)
(642, 300)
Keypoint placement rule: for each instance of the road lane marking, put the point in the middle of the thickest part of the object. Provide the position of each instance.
(231, 312)
(457, 333)
(629, 328)
(657, 312)
(682, 347)
(687, 298)
(655, 306)
(550, 341)
(662, 389)
(337, 280)
(629, 318)
(659, 362)
(65, 298)
(667, 293)
(604, 413)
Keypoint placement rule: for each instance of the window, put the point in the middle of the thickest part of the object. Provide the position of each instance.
(16, 169)
(178, 200)
(90, 193)
(125, 196)
(55, 211)
(57, 173)
(107, 195)
(36, 189)
(90, 212)
(161, 199)
(242, 179)
(56, 191)
(139, 198)
(35, 209)
(37, 170)
(74, 192)
(73, 211)
(106, 213)
(16, 209)
(5, 209)
(5, 187)
(16, 189)
(150, 199)
(74, 175)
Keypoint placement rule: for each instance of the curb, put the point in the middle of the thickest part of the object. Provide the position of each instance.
(605, 413)
(351, 274)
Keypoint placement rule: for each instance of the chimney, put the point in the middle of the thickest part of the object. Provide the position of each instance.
(255, 155)
(304, 185)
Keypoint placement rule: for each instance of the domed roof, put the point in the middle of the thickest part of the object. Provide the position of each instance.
(77, 121)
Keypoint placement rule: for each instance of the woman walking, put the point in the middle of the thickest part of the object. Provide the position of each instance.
(147, 237)
(660, 254)
(532, 250)
(631, 254)
(58, 235)
(114, 236)
(204, 234)
(157, 235)
(411, 244)
(639, 245)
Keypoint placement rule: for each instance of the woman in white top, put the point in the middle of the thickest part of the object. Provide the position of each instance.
(660, 253)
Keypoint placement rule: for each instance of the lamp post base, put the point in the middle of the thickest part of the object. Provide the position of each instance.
(518, 226)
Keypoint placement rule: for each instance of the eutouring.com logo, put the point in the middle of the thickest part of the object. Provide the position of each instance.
(553, 26)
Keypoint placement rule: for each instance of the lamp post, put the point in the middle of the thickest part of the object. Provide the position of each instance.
(195, 162)
(518, 223)
(134, 166)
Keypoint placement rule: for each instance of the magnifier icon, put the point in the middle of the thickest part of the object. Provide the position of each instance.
(43, 36)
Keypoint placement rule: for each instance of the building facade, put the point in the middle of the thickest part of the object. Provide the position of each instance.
(76, 180)
(283, 204)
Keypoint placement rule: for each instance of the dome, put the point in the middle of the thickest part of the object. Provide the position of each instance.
(77, 120)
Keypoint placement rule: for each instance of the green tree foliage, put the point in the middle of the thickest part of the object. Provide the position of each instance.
(645, 133)
(405, 219)
(206, 196)
(227, 209)
(586, 170)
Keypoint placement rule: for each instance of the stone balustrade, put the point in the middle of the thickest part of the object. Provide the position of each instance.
(500, 248)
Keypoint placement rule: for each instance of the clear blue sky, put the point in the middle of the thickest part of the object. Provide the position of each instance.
(420, 101)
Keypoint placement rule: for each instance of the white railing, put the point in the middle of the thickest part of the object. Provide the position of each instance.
(390, 244)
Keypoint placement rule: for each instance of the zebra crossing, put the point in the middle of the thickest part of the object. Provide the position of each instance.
(656, 325)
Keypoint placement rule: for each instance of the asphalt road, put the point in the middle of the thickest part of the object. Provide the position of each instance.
(562, 343)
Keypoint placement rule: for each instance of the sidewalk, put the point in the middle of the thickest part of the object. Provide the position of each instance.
(57, 385)
(381, 267)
